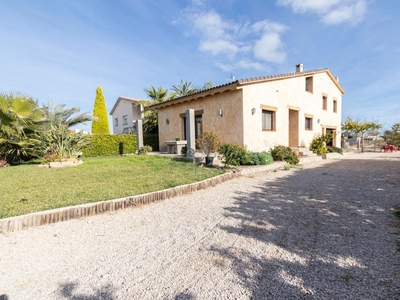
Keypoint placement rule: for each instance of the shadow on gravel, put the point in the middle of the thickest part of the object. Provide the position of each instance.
(316, 228)
(104, 293)
(184, 296)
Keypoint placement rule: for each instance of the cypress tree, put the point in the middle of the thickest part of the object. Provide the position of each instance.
(100, 111)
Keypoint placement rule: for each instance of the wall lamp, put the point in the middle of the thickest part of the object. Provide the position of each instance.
(167, 121)
(253, 110)
(220, 112)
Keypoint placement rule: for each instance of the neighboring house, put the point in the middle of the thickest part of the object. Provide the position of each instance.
(260, 112)
(125, 111)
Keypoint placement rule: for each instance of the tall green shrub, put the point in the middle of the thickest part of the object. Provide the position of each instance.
(100, 111)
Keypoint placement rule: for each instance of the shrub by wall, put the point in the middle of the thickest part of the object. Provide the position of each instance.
(152, 141)
(234, 155)
(110, 144)
(284, 153)
(260, 158)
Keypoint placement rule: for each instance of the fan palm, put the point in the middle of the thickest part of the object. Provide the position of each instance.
(19, 122)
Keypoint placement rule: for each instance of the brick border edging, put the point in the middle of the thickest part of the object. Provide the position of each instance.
(17, 223)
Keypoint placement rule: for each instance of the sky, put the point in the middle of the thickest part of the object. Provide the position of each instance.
(62, 50)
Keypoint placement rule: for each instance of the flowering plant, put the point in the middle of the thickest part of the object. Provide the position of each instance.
(51, 157)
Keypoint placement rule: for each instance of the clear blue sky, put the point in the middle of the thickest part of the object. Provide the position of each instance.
(63, 49)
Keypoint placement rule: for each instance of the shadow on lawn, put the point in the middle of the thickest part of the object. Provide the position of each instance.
(324, 227)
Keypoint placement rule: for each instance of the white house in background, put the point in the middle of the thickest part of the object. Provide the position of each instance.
(125, 111)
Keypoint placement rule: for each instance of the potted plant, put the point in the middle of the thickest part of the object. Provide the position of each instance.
(208, 142)
(177, 138)
(145, 150)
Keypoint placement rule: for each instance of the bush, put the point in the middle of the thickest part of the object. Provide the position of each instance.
(284, 153)
(318, 143)
(110, 144)
(62, 142)
(145, 149)
(184, 151)
(260, 158)
(333, 149)
(234, 155)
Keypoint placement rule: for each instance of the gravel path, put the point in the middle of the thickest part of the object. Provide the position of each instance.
(326, 231)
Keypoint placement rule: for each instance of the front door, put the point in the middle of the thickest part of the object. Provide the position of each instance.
(333, 140)
(293, 128)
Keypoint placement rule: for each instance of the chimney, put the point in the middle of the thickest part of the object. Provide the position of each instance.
(299, 68)
(337, 79)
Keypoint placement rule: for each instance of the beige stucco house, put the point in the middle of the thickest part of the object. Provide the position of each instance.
(261, 112)
(125, 111)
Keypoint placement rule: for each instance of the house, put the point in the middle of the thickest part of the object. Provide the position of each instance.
(260, 112)
(125, 111)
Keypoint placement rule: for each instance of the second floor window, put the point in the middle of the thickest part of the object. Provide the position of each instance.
(324, 103)
(309, 84)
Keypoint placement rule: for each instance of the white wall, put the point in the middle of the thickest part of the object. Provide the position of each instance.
(285, 94)
(128, 108)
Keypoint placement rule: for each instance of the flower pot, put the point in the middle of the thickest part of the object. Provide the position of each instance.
(209, 161)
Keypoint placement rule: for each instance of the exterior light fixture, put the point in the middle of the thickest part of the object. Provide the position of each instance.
(253, 110)
(220, 112)
(167, 121)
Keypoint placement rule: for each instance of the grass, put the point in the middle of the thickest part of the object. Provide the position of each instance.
(27, 188)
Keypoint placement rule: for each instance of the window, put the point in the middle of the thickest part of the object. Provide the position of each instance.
(308, 123)
(125, 120)
(309, 84)
(324, 103)
(198, 126)
(116, 121)
(268, 120)
(334, 105)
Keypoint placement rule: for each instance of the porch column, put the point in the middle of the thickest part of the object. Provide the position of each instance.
(139, 133)
(190, 133)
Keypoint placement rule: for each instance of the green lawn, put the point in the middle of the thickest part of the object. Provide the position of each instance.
(97, 179)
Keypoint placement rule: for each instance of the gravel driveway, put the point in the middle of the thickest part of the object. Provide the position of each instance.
(326, 231)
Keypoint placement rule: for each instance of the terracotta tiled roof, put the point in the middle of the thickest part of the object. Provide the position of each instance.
(234, 84)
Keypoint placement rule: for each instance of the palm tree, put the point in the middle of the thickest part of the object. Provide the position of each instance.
(157, 95)
(56, 137)
(184, 89)
(57, 115)
(206, 86)
(20, 120)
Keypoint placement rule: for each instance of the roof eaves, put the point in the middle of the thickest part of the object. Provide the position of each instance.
(214, 90)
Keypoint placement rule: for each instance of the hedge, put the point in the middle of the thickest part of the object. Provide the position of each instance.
(110, 144)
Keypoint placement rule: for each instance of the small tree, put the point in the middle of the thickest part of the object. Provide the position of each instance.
(100, 111)
(358, 127)
(208, 142)
(319, 142)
